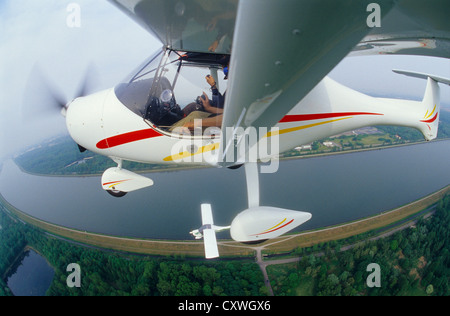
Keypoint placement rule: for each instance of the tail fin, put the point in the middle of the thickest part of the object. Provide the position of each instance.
(429, 123)
(431, 103)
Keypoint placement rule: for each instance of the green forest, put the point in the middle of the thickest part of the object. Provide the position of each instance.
(414, 261)
(105, 273)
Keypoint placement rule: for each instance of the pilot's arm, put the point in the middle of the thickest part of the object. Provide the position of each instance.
(217, 97)
(208, 107)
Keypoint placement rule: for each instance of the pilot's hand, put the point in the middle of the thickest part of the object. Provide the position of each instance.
(205, 101)
(210, 80)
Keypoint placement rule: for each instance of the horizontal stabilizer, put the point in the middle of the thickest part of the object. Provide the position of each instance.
(422, 76)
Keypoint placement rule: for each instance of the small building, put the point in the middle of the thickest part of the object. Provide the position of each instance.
(303, 147)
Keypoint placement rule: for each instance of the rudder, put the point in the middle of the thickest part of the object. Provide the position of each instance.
(429, 123)
(431, 103)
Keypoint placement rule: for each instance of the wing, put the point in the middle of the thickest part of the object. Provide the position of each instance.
(282, 49)
(411, 28)
(209, 235)
(190, 25)
(278, 59)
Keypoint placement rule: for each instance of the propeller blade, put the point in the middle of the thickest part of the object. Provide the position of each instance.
(86, 86)
(41, 98)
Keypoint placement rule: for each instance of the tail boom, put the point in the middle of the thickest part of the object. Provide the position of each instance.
(331, 108)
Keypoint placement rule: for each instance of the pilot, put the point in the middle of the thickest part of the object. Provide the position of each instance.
(214, 117)
(205, 112)
(208, 114)
(217, 101)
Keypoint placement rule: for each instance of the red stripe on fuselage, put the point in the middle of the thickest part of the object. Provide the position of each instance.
(318, 116)
(150, 133)
(127, 138)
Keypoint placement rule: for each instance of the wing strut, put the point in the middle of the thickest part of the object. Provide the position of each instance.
(252, 176)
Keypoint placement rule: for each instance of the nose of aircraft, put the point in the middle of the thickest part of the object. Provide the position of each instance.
(84, 119)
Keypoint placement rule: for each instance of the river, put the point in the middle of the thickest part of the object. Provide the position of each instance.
(334, 189)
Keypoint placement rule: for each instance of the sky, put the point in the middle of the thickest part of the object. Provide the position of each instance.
(36, 32)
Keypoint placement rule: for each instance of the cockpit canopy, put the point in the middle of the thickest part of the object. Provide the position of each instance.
(167, 82)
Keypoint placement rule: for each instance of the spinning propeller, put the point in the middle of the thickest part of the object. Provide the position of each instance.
(43, 98)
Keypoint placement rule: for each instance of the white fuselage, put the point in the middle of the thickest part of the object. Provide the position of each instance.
(102, 124)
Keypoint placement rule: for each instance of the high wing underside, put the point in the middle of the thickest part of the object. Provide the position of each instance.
(194, 25)
(188, 25)
(410, 28)
(280, 49)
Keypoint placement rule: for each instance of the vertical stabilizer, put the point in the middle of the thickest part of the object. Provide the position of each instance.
(431, 105)
(429, 121)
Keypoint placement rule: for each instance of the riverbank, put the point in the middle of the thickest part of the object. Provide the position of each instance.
(307, 239)
(148, 168)
(227, 247)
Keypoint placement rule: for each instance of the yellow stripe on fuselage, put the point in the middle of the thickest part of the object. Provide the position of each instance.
(297, 128)
(214, 146)
(186, 154)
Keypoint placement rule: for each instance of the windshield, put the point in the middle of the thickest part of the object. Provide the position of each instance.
(134, 91)
(166, 88)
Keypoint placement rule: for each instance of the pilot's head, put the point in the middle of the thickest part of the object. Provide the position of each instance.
(225, 62)
(225, 71)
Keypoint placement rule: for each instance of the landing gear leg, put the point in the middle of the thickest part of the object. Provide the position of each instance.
(252, 178)
(113, 191)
